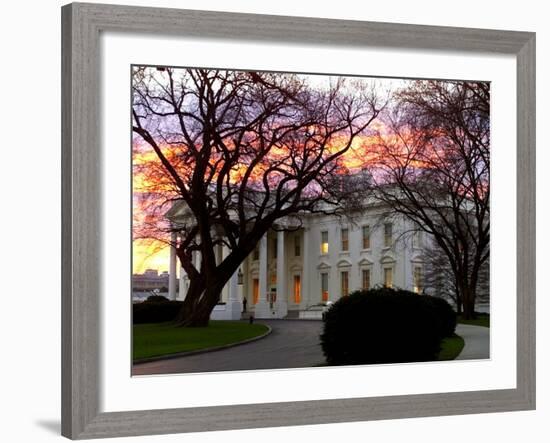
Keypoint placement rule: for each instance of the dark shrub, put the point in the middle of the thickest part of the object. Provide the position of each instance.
(155, 311)
(157, 298)
(380, 326)
(445, 313)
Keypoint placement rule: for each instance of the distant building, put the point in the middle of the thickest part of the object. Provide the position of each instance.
(150, 280)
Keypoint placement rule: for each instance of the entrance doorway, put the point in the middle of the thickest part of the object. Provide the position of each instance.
(297, 289)
(255, 290)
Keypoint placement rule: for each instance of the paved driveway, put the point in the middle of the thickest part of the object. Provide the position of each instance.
(476, 342)
(291, 344)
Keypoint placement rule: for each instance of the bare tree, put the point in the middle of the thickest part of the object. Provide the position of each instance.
(241, 151)
(433, 167)
(440, 280)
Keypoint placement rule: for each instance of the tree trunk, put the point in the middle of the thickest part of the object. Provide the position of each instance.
(468, 301)
(201, 299)
(198, 314)
(458, 297)
(190, 303)
(205, 292)
(458, 304)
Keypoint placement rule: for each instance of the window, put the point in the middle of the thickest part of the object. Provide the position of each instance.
(388, 234)
(297, 289)
(365, 278)
(297, 246)
(324, 286)
(255, 290)
(256, 253)
(366, 237)
(344, 282)
(388, 277)
(324, 242)
(274, 248)
(344, 237)
(417, 279)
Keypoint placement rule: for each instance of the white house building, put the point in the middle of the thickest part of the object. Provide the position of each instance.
(293, 272)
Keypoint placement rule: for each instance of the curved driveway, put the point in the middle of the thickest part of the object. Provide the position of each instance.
(476, 342)
(291, 344)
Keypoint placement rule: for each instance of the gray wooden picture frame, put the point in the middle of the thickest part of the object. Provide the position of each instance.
(81, 208)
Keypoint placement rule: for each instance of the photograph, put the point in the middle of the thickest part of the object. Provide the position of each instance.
(292, 220)
(275, 221)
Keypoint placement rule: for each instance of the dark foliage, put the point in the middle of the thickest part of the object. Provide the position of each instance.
(155, 311)
(445, 313)
(157, 298)
(381, 325)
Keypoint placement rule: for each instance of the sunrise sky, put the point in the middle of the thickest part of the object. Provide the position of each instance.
(155, 254)
(150, 254)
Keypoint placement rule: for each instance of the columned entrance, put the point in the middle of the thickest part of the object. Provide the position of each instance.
(272, 305)
(274, 276)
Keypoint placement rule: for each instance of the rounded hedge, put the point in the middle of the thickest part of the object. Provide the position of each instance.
(155, 311)
(445, 313)
(381, 325)
(158, 298)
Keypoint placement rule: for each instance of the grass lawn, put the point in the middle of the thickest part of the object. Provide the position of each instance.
(481, 320)
(156, 339)
(451, 348)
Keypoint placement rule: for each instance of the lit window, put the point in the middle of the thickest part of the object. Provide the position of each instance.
(344, 281)
(297, 246)
(324, 242)
(297, 289)
(344, 236)
(324, 286)
(418, 279)
(388, 277)
(366, 237)
(366, 278)
(388, 234)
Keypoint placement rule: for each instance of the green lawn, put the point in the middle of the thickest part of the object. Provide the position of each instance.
(481, 320)
(451, 348)
(156, 339)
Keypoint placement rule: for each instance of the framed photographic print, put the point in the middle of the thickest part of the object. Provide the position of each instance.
(289, 219)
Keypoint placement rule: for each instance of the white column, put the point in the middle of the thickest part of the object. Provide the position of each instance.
(221, 252)
(183, 289)
(197, 260)
(282, 295)
(172, 270)
(234, 287)
(261, 309)
(233, 307)
(306, 275)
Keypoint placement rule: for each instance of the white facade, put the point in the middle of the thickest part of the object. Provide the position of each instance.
(293, 271)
